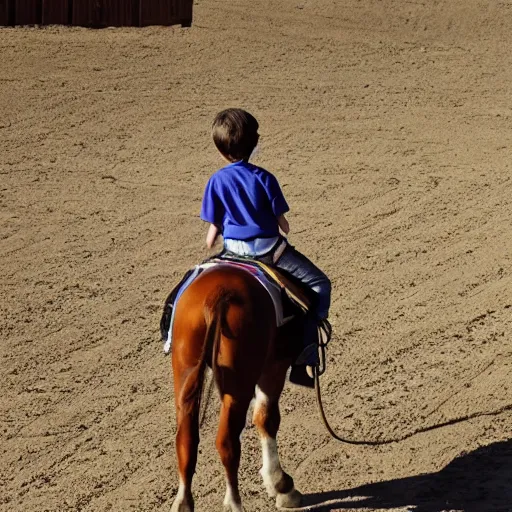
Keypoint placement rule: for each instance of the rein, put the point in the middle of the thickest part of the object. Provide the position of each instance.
(320, 369)
(324, 338)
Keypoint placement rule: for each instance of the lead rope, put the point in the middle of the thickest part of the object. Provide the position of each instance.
(325, 331)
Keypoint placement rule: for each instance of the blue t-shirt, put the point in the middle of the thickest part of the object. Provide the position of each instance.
(244, 201)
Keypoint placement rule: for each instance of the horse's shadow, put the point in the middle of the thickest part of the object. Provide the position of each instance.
(479, 481)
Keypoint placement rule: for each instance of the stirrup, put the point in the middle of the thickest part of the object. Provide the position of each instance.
(324, 337)
(325, 328)
(300, 377)
(309, 355)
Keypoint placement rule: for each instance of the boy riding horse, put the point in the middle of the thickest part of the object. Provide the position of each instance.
(245, 204)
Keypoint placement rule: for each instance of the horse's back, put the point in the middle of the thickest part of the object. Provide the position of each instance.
(237, 285)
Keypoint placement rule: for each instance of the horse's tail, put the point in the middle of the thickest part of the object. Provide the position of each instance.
(216, 312)
(215, 316)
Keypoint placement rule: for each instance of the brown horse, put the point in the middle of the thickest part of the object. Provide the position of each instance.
(225, 319)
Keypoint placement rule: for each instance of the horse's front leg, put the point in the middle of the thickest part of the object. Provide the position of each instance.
(267, 419)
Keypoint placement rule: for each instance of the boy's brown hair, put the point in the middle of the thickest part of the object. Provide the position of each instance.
(235, 133)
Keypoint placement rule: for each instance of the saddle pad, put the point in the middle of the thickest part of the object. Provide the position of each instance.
(273, 289)
(292, 290)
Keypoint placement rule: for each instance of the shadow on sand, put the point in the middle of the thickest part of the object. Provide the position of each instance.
(479, 481)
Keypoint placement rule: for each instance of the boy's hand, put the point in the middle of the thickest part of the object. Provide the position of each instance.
(283, 224)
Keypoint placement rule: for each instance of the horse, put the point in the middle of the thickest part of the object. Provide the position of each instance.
(225, 319)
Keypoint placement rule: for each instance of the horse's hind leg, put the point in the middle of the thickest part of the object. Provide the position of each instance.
(267, 418)
(232, 421)
(187, 440)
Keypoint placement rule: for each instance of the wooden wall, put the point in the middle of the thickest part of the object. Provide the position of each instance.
(96, 13)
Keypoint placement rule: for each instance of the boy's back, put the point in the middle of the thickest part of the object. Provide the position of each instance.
(245, 200)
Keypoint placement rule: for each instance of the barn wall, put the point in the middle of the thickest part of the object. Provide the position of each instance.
(96, 13)
(56, 12)
(27, 12)
(6, 12)
(156, 12)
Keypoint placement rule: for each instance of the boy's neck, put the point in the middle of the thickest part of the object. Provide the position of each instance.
(232, 162)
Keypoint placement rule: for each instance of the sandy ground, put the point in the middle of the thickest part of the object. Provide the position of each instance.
(389, 125)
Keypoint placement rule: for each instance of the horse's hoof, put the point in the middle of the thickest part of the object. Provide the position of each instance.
(291, 499)
(233, 507)
(182, 506)
(232, 502)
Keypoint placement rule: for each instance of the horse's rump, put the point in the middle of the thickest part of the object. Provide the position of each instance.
(286, 303)
(226, 308)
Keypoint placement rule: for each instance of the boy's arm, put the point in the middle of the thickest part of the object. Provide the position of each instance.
(278, 202)
(211, 236)
(283, 224)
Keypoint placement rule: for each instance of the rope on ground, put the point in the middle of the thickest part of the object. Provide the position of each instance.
(417, 431)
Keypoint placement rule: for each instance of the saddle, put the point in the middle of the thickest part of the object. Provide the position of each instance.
(290, 297)
(293, 294)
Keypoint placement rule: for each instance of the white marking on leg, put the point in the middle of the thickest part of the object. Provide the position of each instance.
(271, 470)
(181, 491)
(232, 501)
(181, 502)
(271, 461)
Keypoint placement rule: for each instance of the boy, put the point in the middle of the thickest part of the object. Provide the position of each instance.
(245, 204)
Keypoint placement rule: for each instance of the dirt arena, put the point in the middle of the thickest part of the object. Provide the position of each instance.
(389, 126)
